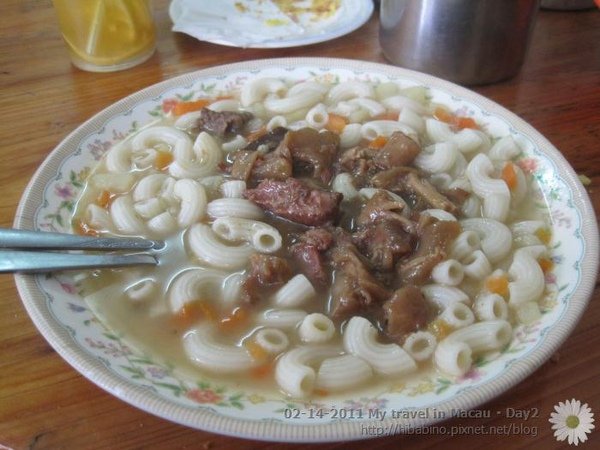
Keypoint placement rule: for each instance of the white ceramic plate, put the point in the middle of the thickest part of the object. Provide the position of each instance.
(256, 25)
(207, 403)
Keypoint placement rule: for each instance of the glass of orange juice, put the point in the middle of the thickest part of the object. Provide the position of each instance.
(107, 35)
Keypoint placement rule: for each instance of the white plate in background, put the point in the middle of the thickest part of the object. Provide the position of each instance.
(251, 24)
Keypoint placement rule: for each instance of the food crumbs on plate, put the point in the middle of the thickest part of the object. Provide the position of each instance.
(318, 9)
(276, 22)
(241, 7)
(544, 235)
(585, 180)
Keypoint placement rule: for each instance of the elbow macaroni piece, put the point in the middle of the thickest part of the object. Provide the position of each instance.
(234, 207)
(282, 318)
(490, 306)
(437, 158)
(348, 90)
(444, 296)
(528, 279)
(420, 345)
(458, 315)
(492, 191)
(294, 293)
(495, 237)
(257, 89)
(204, 351)
(194, 285)
(360, 339)
(293, 371)
(316, 328)
(197, 161)
(263, 237)
(204, 244)
(449, 273)
(341, 373)
(272, 340)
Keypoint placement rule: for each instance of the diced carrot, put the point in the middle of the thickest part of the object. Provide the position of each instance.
(320, 392)
(443, 115)
(237, 318)
(546, 264)
(439, 328)
(544, 235)
(510, 176)
(466, 122)
(163, 160)
(83, 229)
(195, 310)
(497, 285)
(336, 123)
(181, 108)
(103, 199)
(388, 115)
(256, 134)
(255, 350)
(378, 142)
(262, 371)
(222, 97)
(459, 122)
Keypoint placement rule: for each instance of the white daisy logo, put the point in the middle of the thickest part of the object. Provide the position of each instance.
(572, 421)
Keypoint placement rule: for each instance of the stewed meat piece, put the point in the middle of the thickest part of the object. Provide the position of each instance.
(269, 141)
(355, 291)
(265, 271)
(222, 123)
(435, 238)
(294, 200)
(313, 150)
(382, 207)
(405, 312)
(399, 150)
(384, 243)
(308, 253)
(255, 166)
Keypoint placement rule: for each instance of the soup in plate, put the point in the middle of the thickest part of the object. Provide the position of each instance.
(320, 238)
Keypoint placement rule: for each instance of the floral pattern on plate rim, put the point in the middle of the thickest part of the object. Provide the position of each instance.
(58, 203)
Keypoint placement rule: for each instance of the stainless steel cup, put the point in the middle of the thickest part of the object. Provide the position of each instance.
(465, 41)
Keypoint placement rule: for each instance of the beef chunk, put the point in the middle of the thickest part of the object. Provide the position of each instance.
(308, 252)
(294, 200)
(417, 270)
(320, 238)
(222, 123)
(243, 164)
(392, 179)
(384, 243)
(399, 150)
(265, 271)
(312, 149)
(256, 166)
(359, 162)
(435, 238)
(383, 207)
(276, 165)
(428, 193)
(355, 291)
(405, 312)
(311, 263)
(456, 195)
(268, 142)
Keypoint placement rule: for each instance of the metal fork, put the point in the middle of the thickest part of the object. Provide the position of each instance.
(19, 251)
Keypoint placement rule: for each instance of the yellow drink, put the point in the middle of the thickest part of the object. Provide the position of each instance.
(107, 35)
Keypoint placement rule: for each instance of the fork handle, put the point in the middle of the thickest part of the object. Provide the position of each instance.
(12, 238)
(15, 261)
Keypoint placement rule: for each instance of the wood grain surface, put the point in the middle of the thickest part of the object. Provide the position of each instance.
(45, 404)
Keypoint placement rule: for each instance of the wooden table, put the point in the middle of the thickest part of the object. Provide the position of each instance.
(45, 404)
